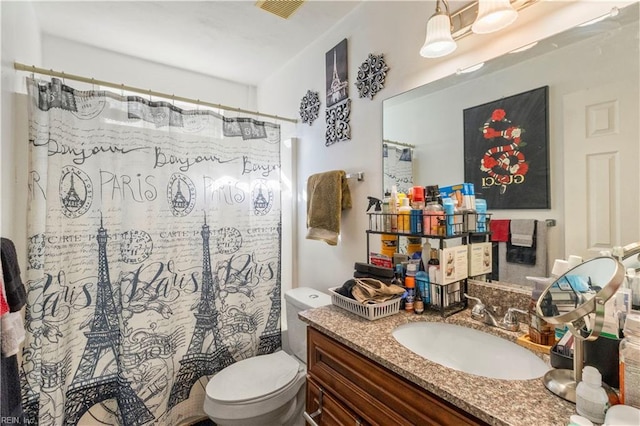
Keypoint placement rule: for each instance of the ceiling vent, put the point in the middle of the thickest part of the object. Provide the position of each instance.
(281, 8)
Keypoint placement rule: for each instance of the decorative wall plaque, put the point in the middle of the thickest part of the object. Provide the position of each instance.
(309, 107)
(371, 75)
(338, 127)
(506, 150)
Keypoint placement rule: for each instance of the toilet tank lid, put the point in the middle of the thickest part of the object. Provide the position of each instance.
(307, 298)
(253, 378)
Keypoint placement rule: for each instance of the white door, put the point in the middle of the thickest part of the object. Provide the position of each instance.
(601, 168)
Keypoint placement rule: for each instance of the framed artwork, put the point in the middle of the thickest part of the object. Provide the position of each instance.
(336, 74)
(338, 112)
(506, 151)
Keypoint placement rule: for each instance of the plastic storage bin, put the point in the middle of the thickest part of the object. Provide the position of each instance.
(369, 311)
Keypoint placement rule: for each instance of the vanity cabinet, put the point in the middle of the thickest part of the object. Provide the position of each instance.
(358, 391)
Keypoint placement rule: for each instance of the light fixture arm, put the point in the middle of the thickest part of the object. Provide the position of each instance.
(446, 7)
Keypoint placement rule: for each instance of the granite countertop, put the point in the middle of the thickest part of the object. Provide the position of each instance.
(496, 401)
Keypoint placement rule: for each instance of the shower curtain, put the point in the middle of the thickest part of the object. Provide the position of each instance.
(154, 254)
(397, 167)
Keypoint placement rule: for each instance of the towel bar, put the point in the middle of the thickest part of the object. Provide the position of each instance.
(359, 176)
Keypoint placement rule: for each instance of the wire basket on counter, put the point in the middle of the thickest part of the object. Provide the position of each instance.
(370, 311)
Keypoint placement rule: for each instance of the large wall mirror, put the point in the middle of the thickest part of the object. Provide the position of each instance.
(601, 58)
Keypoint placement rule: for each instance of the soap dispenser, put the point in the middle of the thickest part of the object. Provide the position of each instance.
(592, 401)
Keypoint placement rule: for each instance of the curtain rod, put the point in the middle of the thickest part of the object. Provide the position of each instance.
(408, 145)
(33, 69)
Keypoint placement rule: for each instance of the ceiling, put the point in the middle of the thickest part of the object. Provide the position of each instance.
(233, 40)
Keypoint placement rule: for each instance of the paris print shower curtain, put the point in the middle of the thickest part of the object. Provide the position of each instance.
(154, 254)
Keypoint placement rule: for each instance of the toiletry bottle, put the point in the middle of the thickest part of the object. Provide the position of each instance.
(393, 209)
(481, 210)
(410, 285)
(417, 198)
(416, 221)
(423, 290)
(458, 216)
(404, 222)
(592, 401)
(418, 305)
(540, 331)
(389, 244)
(398, 279)
(629, 359)
(386, 210)
(433, 258)
(432, 268)
(449, 211)
(433, 213)
(426, 255)
(417, 210)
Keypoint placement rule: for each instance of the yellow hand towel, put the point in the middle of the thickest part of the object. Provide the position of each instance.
(327, 195)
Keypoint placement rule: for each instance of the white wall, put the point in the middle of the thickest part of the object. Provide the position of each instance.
(76, 58)
(395, 29)
(20, 39)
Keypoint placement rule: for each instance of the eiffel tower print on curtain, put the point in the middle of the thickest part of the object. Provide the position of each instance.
(89, 386)
(197, 363)
(271, 339)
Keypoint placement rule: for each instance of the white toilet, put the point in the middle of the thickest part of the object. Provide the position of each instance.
(267, 390)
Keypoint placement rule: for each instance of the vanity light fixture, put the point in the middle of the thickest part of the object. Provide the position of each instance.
(493, 15)
(479, 16)
(439, 41)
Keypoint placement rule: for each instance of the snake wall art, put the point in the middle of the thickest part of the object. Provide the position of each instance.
(504, 164)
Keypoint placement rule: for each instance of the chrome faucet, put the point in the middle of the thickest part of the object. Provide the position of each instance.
(481, 313)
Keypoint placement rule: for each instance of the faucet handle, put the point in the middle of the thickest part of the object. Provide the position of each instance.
(478, 311)
(473, 298)
(511, 319)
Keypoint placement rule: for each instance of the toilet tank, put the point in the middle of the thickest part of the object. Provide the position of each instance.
(300, 299)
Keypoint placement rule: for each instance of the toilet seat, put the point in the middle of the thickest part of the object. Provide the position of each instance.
(253, 379)
(263, 390)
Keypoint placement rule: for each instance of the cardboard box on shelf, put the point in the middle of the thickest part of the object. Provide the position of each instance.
(464, 193)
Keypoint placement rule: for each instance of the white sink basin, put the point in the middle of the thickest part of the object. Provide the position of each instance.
(471, 351)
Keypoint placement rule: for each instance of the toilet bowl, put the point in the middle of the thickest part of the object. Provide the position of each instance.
(267, 390)
(262, 390)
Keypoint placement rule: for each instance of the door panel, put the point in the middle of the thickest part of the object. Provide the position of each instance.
(601, 168)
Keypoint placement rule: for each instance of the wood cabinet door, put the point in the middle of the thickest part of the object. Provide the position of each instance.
(333, 412)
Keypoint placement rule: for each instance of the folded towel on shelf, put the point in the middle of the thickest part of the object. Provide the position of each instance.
(500, 230)
(522, 232)
(327, 195)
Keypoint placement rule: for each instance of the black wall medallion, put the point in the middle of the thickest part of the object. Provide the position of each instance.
(309, 107)
(371, 75)
(338, 126)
